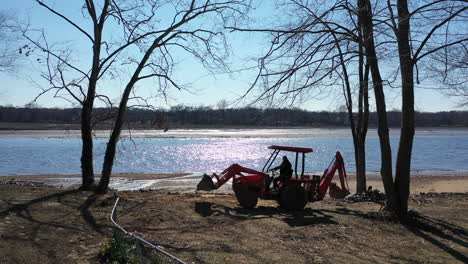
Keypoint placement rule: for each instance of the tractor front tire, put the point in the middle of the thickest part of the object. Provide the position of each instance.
(247, 197)
(293, 197)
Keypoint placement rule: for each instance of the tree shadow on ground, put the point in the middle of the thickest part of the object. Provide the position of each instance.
(428, 228)
(20, 207)
(303, 217)
(88, 216)
(435, 230)
(383, 216)
(23, 210)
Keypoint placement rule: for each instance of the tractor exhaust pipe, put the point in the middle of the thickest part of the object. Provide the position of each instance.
(206, 184)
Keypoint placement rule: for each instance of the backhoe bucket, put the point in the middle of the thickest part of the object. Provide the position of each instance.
(206, 184)
(336, 192)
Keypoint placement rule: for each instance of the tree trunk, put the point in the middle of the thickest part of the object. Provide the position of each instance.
(87, 172)
(109, 157)
(86, 118)
(383, 132)
(115, 136)
(403, 164)
(358, 137)
(362, 121)
(365, 12)
(110, 152)
(361, 184)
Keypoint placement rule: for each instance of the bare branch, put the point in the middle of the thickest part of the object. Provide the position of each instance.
(429, 35)
(41, 3)
(441, 47)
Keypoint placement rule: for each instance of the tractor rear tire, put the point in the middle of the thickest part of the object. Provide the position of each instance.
(293, 197)
(247, 197)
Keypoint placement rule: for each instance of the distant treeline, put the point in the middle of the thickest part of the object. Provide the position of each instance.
(184, 116)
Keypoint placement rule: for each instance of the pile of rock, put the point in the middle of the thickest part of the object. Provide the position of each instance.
(371, 195)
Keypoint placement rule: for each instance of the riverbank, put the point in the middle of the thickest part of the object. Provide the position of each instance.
(56, 225)
(186, 183)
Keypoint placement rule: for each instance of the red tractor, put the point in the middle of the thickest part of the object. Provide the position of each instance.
(292, 194)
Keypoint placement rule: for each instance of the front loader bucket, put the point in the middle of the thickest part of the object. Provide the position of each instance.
(206, 184)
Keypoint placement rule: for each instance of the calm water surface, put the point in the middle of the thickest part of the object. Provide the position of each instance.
(439, 150)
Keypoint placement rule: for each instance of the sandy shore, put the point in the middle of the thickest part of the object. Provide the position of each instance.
(186, 183)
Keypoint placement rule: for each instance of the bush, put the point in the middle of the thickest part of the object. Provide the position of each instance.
(113, 252)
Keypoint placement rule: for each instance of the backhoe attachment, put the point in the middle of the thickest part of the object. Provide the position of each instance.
(337, 164)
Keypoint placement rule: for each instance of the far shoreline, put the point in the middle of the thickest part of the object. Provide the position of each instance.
(226, 132)
(186, 182)
(106, 127)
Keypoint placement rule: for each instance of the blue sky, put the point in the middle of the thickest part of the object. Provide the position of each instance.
(17, 89)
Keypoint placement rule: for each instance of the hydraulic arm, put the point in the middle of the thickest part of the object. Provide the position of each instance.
(336, 164)
(207, 184)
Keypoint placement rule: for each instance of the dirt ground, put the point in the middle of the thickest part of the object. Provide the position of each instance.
(40, 224)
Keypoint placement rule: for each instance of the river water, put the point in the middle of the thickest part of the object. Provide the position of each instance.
(194, 151)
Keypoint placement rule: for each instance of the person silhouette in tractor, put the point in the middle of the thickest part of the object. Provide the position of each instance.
(286, 172)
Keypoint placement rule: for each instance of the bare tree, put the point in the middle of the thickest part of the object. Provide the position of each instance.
(358, 125)
(366, 22)
(137, 38)
(432, 20)
(318, 53)
(415, 42)
(319, 44)
(196, 28)
(69, 81)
